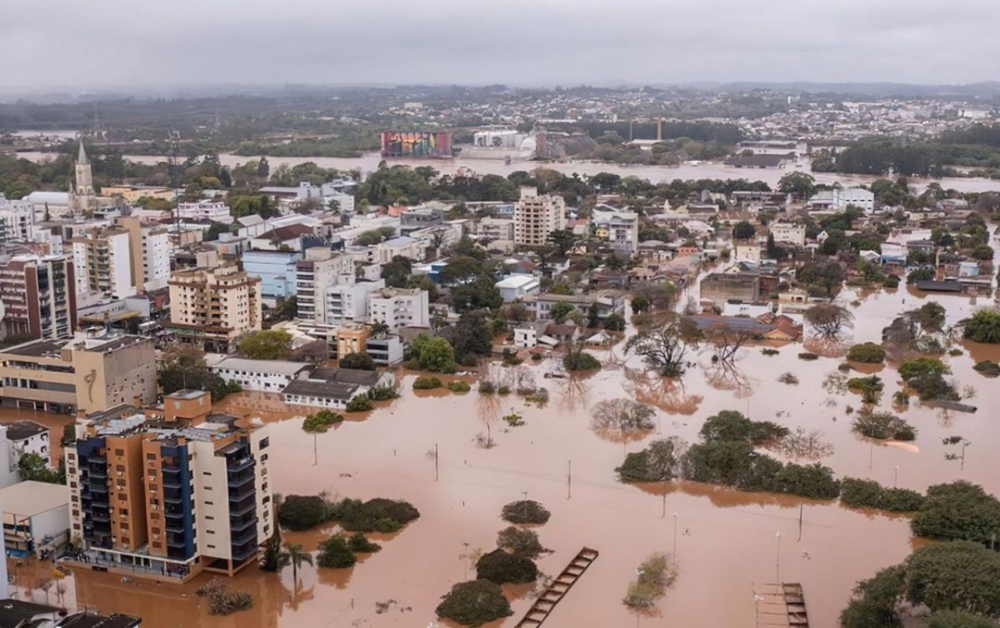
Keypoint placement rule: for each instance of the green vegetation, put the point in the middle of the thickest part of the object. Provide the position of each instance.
(614, 322)
(732, 426)
(926, 376)
(525, 511)
(273, 559)
(869, 387)
(360, 544)
(520, 542)
(867, 353)
(302, 512)
(268, 344)
(361, 403)
(659, 462)
(459, 386)
(580, 360)
(988, 368)
(958, 511)
(502, 567)
(882, 426)
(357, 361)
(870, 494)
(383, 393)
(184, 368)
(474, 603)
(425, 382)
(336, 553)
(32, 467)
(433, 354)
(321, 421)
(984, 326)
(651, 584)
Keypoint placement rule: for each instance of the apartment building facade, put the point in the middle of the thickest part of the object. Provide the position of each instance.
(215, 211)
(103, 260)
(17, 218)
(214, 307)
(320, 269)
(399, 307)
(169, 493)
(623, 232)
(89, 372)
(536, 216)
(39, 296)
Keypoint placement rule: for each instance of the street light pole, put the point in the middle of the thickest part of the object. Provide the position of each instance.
(895, 477)
(675, 539)
(777, 562)
(964, 445)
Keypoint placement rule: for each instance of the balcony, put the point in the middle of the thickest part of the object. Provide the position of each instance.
(176, 540)
(241, 480)
(247, 535)
(238, 524)
(239, 465)
(245, 506)
(245, 551)
(173, 497)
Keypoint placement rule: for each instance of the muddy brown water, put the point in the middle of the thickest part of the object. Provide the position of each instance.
(726, 541)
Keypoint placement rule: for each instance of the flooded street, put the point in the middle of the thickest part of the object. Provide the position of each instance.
(656, 174)
(725, 540)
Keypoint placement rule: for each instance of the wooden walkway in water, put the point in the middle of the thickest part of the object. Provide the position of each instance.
(782, 605)
(540, 610)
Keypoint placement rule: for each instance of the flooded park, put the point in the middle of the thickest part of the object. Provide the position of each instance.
(728, 546)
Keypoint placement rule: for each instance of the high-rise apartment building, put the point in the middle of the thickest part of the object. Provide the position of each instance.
(321, 269)
(170, 493)
(17, 218)
(535, 217)
(103, 259)
(149, 253)
(214, 307)
(38, 296)
(399, 307)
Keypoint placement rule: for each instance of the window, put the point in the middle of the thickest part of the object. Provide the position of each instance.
(124, 526)
(156, 530)
(125, 540)
(264, 442)
(208, 503)
(210, 546)
(119, 452)
(206, 473)
(209, 518)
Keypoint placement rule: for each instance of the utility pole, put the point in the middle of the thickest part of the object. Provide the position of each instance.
(964, 445)
(525, 493)
(569, 480)
(675, 540)
(895, 476)
(777, 562)
(800, 520)
(436, 462)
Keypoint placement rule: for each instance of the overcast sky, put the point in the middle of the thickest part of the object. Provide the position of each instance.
(83, 45)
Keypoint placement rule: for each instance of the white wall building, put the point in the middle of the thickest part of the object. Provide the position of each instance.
(27, 437)
(788, 233)
(35, 518)
(16, 220)
(216, 211)
(319, 270)
(623, 232)
(517, 287)
(347, 302)
(399, 307)
(839, 199)
(103, 264)
(410, 248)
(260, 375)
(535, 217)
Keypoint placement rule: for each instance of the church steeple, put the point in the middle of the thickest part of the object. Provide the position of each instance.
(82, 160)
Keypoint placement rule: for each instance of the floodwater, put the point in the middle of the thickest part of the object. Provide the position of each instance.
(656, 174)
(726, 541)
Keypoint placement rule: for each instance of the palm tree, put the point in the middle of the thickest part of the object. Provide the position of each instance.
(380, 329)
(296, 556)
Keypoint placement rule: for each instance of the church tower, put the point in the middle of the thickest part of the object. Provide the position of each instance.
(84, 175)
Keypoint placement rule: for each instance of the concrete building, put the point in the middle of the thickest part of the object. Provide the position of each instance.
(261, 375)
(170, 493)
(347, 302)
(722, 287)
(788, 233)
(9, 458)
(17, 219)
(103, 260)
(399, 307)
(27, 437)
(385, 350)
(517, 287)
(320, 269)
(334, 388)
(38, 296)
(90, 372)
(215, 211)
(495, 229)
(535, 217)
(419, 218)
(35, 518)
(402, 246)
(623, 232)
(839, 199)
(18, 614)
(276, 271)
(214, 307)
(149, 254)
(607, 302)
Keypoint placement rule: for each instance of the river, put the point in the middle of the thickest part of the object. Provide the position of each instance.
(656, 174)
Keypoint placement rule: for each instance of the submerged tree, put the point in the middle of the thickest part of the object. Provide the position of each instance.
(829, 320)
(664, 343)
(622, 418)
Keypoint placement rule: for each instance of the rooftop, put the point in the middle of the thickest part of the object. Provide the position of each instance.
(22, 430)
(278, 367)
(29, 498)
(322, 389)
(37, 348)
(86, 620)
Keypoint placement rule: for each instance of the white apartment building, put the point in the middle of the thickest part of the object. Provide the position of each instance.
(788, 233)
(839, 199)
(16, 220)
(216, 211)
(399, 307)
(103, 262)
(314, 275)
(517, 287)
(347, 302)
(535, 217)
(403, 246)
(623, 232)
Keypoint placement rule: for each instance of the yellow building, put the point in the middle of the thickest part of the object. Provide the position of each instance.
(214, 307)
(352, 339)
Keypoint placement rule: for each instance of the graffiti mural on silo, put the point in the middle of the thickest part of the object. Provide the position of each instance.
(416, 144)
